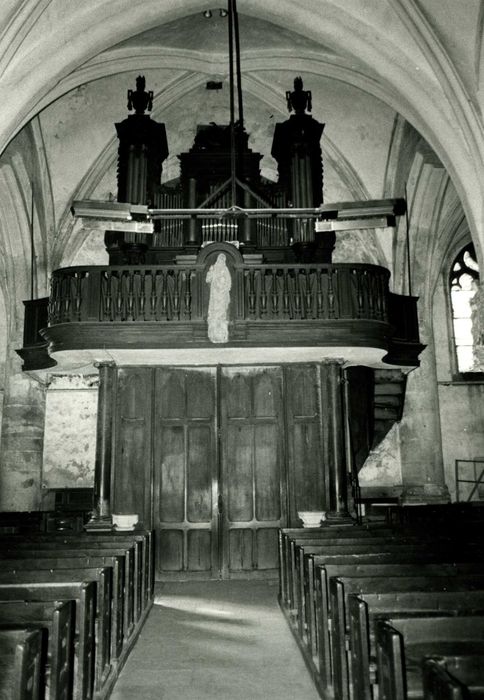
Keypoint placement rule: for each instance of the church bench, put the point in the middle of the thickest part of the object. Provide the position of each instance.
(406, 553)
(386, 553)
(133, 552)
(141, 542)
(364, 608)
(56, 623)
(403, 643)
(366, 577)
(124, 576)
(453, 677)
(20, 663)
(122, 595)
(84, 597)
(287, 537)
(304, 556)
(57, 579)
(294, 544)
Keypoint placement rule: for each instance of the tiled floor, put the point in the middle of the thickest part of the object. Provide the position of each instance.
(215, 639)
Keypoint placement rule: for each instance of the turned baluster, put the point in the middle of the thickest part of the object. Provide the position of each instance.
(308, 296)
(66, 305)
(274, 294)
(142, 294)
(359, 291)
(331, 310)
(108, 296)
(384, 298)
(251, 293)
(188, 295)
(297, 295)
(164, 295)
(176, 295)
(119, 296)
(372, 297)
(153, 295)
(319, 294)
(285, 293)
(51, 307)
(77, 295)
(131, 313)
(263, 293)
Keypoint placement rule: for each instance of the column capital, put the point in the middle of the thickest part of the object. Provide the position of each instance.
(105, 363)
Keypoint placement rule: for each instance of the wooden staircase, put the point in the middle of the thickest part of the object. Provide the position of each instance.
(389, 399)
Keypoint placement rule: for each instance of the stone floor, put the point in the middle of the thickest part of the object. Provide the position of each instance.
(215, 639)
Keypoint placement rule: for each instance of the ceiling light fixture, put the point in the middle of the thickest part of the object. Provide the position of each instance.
(207, 14)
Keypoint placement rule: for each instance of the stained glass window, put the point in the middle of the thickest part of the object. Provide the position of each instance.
(464, 283)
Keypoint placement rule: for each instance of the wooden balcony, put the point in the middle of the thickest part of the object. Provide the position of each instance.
(334, 309)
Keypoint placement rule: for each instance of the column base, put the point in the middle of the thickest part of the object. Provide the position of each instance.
(99, 525)
(334, 517)
(424, 494)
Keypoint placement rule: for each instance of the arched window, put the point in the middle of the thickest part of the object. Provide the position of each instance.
(464, 283)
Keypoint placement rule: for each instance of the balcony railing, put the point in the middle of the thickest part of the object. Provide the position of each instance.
(179, 293)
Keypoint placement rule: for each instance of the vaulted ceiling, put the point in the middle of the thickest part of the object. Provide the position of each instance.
(373, 66)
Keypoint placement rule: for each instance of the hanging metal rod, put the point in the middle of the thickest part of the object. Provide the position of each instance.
(94, 209)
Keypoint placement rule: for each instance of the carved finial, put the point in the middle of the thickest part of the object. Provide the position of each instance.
(299, 100)
(139, 99)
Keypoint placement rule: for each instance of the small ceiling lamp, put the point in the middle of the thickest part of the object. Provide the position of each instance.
(223, 13)
(207, 14)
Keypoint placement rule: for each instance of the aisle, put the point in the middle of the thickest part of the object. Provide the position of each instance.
(215, 639)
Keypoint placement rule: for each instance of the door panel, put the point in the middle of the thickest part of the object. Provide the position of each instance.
(132, 471)
(306, 473)
(186, 470)
(251, 472)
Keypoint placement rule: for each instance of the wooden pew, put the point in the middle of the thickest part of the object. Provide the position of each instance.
(84, 598)
(409, 600)
(132, 551)
(20, 663)
(56, 622)
(298, 545)
(141, 541)
(75, 577)
(122, 594)
(453, 677)
(371, 575)
(402, 643)
(391, 553)
(288, 535)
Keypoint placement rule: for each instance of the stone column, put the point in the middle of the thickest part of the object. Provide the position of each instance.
(101, 517)
(421, 440)
(334, 455)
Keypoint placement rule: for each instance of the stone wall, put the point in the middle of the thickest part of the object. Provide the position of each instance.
(70, 432)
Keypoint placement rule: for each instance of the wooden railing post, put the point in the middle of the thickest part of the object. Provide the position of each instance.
(101, 517)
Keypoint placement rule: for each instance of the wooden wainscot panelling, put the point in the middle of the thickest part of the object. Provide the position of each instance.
(307, 489)
(132, 464)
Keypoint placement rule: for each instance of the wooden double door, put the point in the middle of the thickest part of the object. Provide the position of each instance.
(216, 460)
(219, 486)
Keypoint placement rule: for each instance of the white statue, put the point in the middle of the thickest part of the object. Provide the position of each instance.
(220, 281)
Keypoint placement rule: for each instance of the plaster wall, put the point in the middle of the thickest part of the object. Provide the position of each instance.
(70, 432)
(383, 466)
(462, 417)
